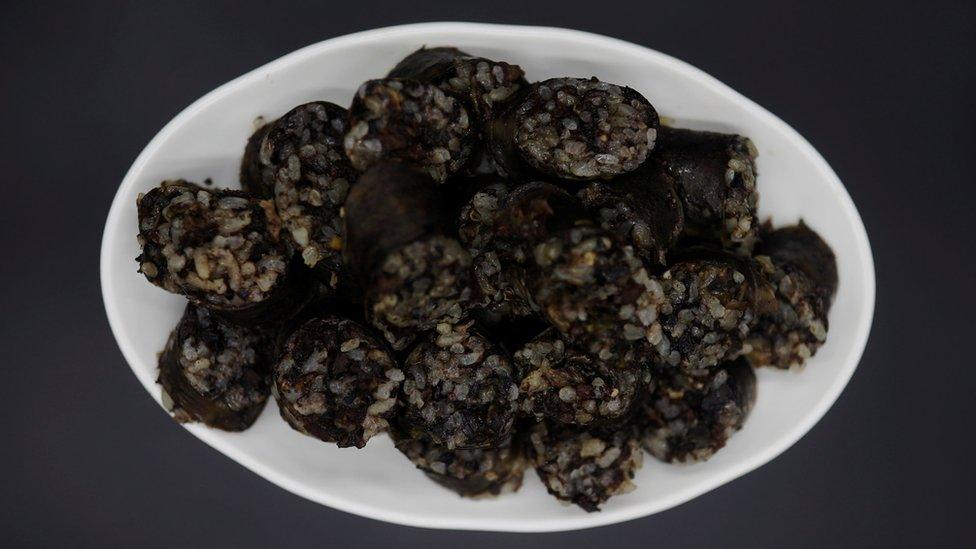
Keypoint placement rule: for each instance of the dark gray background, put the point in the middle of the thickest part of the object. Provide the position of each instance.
(885, 93)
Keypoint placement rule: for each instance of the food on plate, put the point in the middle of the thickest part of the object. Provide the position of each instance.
(215, 372)
(486, 84)
(594, 290)
(802, 269)
(460, 389)
(399, 245)
(585, 466)
(336, 381)
(495, 272)
(642, 208)
(715, 174)
(713, 299)
(412, 122)
(298, 161)
(220, 249)
(687, 418)
(472, 473)
(563, 385)
(573, 129)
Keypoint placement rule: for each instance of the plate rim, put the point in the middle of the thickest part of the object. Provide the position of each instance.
(850, 363)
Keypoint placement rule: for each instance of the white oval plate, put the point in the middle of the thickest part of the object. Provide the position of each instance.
(207, 139)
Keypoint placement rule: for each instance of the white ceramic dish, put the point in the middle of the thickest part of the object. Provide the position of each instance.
(207, 139)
